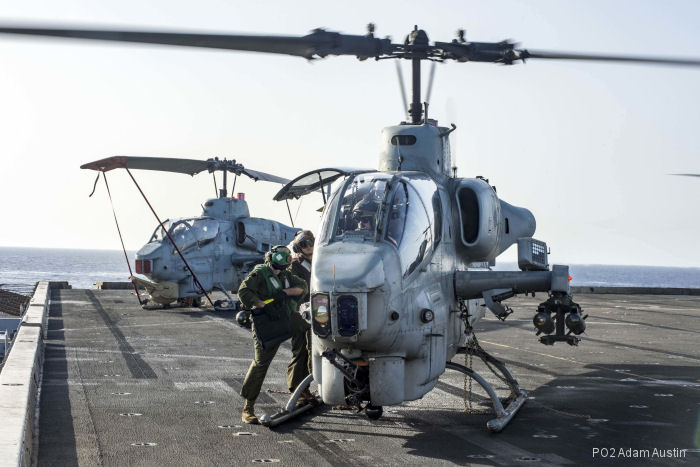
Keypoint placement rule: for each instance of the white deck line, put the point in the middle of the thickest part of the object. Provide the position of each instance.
(20, 380)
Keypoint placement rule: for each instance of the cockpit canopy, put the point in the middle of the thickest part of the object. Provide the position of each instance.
(187, 232)
(401, 210)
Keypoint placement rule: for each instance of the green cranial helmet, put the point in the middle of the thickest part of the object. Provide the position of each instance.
(280, 256)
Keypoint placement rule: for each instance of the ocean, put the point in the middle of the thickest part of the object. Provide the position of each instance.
(21, 268)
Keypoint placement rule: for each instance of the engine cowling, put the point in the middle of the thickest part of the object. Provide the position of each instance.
(487, 226)
(259, 235)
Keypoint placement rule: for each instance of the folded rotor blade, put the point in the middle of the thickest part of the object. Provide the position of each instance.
(184, 166)
(317, 44)
(527, 54)
(256, 175)
(164, 164)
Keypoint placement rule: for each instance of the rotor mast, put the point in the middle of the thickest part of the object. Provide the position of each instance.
(417, 41)
(222, 192)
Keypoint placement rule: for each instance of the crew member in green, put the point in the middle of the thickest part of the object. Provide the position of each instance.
(272, 281)
(303, 247)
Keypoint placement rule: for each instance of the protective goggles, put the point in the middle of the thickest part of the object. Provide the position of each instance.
(306, 243)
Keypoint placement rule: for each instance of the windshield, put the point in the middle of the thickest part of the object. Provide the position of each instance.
(402, 214)
(189, 232)
(408, 227)
(159, 233)
(357, 208)
(416, 240)
(397, 216)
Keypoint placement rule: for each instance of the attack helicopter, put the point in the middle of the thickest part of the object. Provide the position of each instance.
(185, 259)
(400, 271)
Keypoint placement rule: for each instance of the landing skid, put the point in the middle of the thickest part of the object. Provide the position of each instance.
(226, 305)
(150, 305)
(291, 410)
(503, 415)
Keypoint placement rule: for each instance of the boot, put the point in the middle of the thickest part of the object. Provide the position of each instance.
(307, 398)
(248, 415)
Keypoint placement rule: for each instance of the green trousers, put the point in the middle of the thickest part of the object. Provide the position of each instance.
(297, 369)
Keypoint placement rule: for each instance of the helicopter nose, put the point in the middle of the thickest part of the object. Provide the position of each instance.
(351, 267)
(152, 258)
(350, 284)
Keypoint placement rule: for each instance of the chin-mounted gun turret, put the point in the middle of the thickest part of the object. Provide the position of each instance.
(553, 317)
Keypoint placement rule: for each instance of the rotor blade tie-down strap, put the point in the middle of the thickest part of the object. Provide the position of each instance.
(94, 185)
(126, 257)
(194, 277)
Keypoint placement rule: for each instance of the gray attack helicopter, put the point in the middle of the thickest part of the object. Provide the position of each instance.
(187, 258)
(401, 267)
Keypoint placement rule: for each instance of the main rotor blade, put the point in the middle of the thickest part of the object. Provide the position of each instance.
(430, 82)
(402, 88)
(527, 54)
(164, 164)
(184, 166)
(506, 53)
(257, 175)
(317, 44)
(321, 43)
(687, 175)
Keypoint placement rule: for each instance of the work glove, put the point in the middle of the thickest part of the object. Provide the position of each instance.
(281, 297)
(274, 309)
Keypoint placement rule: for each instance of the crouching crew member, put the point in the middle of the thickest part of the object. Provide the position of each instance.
(272, 290)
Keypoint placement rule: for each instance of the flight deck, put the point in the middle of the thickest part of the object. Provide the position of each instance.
(126, 386)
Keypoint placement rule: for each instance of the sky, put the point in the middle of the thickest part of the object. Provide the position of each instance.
(587, 147)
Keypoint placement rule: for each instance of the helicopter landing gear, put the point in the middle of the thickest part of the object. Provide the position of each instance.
(194, 302)
(150, 305)
(503, 415)
(226, 305)
(517, 396)
(374, 412)
(292, 409)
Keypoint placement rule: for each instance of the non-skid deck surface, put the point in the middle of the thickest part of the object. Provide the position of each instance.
(124, 386)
